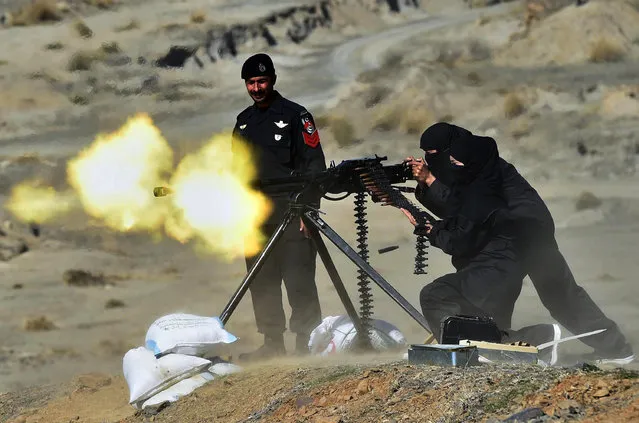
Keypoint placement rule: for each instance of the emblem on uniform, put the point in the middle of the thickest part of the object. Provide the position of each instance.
(281, 124)
(308, 125)
(310, 134)
(261, 67)
(278, 137)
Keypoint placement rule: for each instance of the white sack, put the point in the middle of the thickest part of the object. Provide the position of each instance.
(186, 386)
(187, 334)
(338, 334)
(177, 391)
(147, 375)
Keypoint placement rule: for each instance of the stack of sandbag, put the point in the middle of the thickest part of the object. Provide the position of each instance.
(337, 334)
(181, 353)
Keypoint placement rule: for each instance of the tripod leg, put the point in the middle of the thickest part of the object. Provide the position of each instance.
(252, 272)
(339, 242)
(362, 333)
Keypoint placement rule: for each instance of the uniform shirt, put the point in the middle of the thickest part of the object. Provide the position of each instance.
(283, 139)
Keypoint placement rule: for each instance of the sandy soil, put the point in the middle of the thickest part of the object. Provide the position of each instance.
(574, 131)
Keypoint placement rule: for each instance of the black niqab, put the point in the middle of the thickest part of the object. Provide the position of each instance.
(439, 136)
(476, 190)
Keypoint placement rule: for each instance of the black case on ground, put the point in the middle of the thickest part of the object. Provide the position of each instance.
(456, 328)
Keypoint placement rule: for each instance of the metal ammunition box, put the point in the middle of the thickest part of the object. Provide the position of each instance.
(443, 355)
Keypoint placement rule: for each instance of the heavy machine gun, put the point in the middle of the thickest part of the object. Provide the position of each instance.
(355, 176)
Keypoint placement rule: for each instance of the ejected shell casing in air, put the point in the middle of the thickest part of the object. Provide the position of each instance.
(162, 191)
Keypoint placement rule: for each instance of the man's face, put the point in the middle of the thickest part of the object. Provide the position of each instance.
(259, 88)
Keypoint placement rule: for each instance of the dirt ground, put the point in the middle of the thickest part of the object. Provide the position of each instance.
(564, 112)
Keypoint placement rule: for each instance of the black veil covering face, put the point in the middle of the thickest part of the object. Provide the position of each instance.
(439, 137)
(476, 188)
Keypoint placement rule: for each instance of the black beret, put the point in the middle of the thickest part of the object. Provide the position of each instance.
(258, 65)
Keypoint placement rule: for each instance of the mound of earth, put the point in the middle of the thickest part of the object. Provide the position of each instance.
(598, 31)
(378, 392)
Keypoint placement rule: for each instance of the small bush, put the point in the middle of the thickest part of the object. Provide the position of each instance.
(474, 78)
(38, 324)
(37, 12)
(375, 95)
(101, 4)
(322, 121)
(110, 48)
(414, 121)
(83, 61)
(513, 106)
(386, 118)
(521, 128)
(198, 17)
(343, 132)
(605, 50)
(82, 29)
(587, 200)
(57, 45)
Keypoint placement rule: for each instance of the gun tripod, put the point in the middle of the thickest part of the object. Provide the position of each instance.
(316, 225)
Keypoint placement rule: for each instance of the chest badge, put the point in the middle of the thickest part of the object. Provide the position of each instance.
(278, 137)
(281, 124)
(242, 126)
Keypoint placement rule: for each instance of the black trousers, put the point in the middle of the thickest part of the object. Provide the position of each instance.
(487, 290)
(293, 260)
(568, 303)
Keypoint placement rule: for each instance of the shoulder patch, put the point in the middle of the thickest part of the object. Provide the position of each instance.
(309, 131)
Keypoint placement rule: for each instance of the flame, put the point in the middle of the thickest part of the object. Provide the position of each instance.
(114, 176)
(113, 180)
(31, 202)
(214, 200)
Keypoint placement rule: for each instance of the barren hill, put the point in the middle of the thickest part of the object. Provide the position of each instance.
(381, 391)
(598, 31)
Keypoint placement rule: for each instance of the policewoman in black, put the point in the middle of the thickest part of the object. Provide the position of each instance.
(283, 138)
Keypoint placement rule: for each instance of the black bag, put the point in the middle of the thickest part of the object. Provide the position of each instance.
(456, 328)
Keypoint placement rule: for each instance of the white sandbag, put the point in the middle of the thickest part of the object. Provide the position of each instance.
(187, 334)
(338, 334)
(177, 391)
(147, 375)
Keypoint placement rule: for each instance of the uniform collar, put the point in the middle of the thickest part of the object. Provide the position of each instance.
(275, 107)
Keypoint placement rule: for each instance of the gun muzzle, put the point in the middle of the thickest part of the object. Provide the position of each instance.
(162, 191)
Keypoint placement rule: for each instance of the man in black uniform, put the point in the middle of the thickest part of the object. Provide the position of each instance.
(548, 270)
(283, 138)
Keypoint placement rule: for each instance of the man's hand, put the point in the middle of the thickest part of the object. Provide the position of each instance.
(412, 220)
(410, 217)
(303, 228)
(421, 173)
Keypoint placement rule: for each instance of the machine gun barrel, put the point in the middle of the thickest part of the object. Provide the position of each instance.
(363, 175)
(350, 176)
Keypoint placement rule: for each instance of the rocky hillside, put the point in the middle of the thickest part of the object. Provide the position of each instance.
(390, 392)
(91, 57)
(563, 84)
(219, 40)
